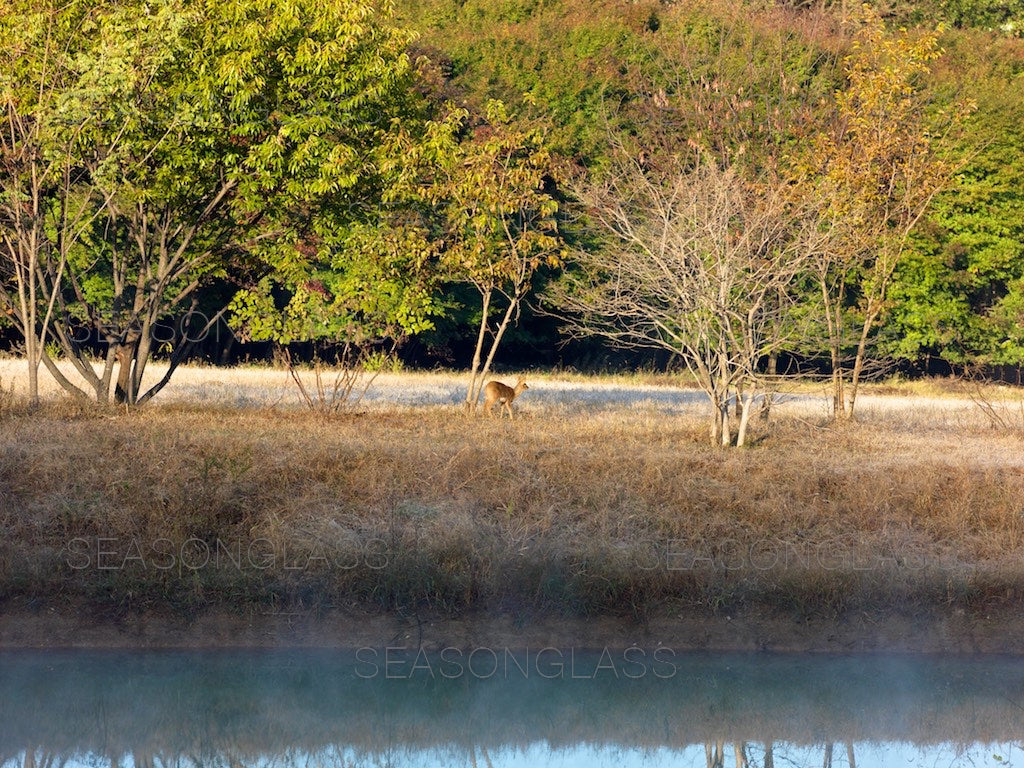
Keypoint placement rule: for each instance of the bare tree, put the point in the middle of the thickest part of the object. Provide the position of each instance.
(695, 261)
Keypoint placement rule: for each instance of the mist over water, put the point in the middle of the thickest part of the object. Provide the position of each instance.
(547, 707)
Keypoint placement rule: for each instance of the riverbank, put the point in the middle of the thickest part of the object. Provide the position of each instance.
(66, 626)
(578, 526)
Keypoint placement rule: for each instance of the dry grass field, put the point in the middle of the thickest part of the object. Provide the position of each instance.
(602, 498)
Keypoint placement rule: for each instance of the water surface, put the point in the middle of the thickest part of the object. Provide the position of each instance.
(319, 709)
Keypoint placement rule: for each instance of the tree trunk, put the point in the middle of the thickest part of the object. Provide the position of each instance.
(103, 386)
(123, 394)
(143, 350)
(833, 306)
(224, 357)
(473, 392)
(479, 372)
(723, 415)
(183, 349)
(858, 363)
(838, 386)
(30, 341)
(502, 327)
(773, 370)
(723, 383)
(748, 403)
(33, 370)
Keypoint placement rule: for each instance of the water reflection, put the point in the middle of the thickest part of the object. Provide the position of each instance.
(337, 710)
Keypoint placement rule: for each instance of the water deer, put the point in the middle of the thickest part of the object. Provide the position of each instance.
(496, 392)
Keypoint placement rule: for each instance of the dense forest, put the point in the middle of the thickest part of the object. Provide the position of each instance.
(591, 72)
(734, 188)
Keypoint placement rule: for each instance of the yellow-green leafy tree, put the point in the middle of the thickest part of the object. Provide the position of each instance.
(877, 169)
(499, 225)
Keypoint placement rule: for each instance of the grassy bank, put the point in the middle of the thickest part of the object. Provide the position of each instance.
(579, 513)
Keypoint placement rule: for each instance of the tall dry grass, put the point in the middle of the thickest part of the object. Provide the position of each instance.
(609, 511)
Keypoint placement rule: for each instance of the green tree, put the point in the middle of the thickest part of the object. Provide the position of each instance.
(952, 295)
(499, 225)
(344, 255)
(253, 128)
(48, 200)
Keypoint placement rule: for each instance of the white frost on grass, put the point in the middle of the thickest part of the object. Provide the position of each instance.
(264, 387)
(913, 428)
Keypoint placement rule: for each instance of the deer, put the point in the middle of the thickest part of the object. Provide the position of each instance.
(496, 392)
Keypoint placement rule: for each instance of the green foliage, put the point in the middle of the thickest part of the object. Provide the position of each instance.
(375, 284)
(557, 61)
(306, 152)
(958, 293)
(500, 222)
(320, 158)
(741, 82)
(253, 140)
(1004, 15)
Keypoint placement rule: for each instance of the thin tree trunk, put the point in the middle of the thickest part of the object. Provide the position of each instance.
(30, 341)
(103, 387)
(838, 380)
(126, 353)
(502, 327)
(472, 393)
(858, 363)
(723, 396)
(180, 353)
(143, 350)
(224, 357)
(716, 420)
(714, 754)
(63, 380)
(33, 370)
(773, 370)
(748, 403)
(723, 411)
(834, 321)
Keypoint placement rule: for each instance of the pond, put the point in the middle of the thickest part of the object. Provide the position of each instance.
(545, 707)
